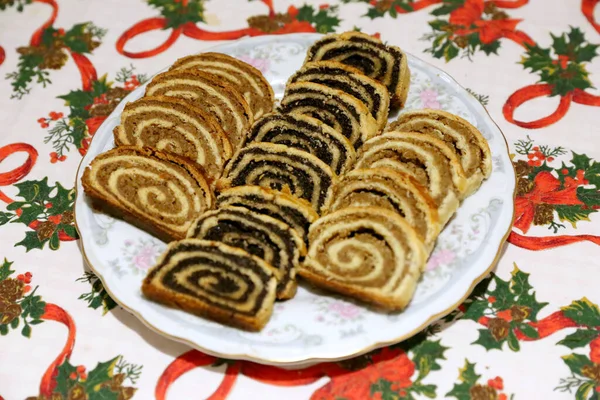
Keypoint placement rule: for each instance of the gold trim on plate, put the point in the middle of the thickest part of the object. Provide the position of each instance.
(301, 361)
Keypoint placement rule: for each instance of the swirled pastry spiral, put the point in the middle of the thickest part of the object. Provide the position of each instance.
(393, 190)
(260, 235)
(215, 281)
(308, 134)
(469, 144)
(386, 64)
(369, 253)
(207, 92)
(158, 192)
(248, 80)
(280, 168)
(296, 213)
(350, 80)
(344, 113)
(429, 160)
(174, 126)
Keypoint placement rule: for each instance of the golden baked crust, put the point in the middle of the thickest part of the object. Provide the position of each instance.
(465, 139)
(248, 80)
(174, 126)
(350, 47)
(207, 92)
(223, 311)
(103, 199)
(369, 253)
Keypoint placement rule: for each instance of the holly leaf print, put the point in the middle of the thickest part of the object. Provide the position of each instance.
(426, 356)
(98, 296)
(102, 373)
(580, 338)
(64, 383)
(583, 312)
(20, 4)
(576, 363)
(565, 71)
(521, 288)
(487, 340)
(447, 7)
(5, 270)
(573, 214)
(323, 20)
(177, 14)
(32, 241)
(467, 378)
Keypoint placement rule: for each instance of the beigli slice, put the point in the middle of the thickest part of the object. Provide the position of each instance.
(429, 160)
(384, 63)
(350, 80)
(392, 190)
(469, 144)
(281, 168)
(296, 213)
(159, 193)
(175, 126)
(209, 93)
(260, 235)
(248, 80)
(215, 281)
(308, 134)
(369, 253)
(341, 111)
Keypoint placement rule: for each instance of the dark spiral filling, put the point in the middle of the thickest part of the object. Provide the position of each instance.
(224, 285)
(261, 231)
(288, 215)
(332, 111)
(363, 62)
(312, 141)
(305, 180)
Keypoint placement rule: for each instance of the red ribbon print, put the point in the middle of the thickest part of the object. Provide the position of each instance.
(546, 190)
(14, 176)
(531, 92)
(56, 313)
(587, 8)
(192, 31)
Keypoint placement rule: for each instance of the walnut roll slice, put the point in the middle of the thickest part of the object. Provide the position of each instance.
(157, 192)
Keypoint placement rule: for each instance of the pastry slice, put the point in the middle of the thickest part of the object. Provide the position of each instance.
(469, 144)
(160, 193)
(393, 190)
(429, 160)
(215, 281)
(174, 126)
(280, 168)
(350, 80)
(370, 254)
(308, 134)
(296, 213)
(260, 235)
(386, 64)
(341, 111)
(210, 93)
(248, 80)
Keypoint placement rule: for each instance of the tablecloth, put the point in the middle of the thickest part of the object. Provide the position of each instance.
(531, 330)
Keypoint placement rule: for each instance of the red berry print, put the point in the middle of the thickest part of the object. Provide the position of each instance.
(492, 299)
(496, 383)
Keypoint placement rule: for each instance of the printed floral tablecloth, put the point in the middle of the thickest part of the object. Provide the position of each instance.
(529, 331)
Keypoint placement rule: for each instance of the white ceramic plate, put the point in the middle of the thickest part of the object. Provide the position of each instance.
(315, 326)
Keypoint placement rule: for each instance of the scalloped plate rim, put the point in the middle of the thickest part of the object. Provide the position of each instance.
(497, 237)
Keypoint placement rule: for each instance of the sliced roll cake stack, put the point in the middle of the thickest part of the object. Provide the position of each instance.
(386, 214)
(200, 109)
